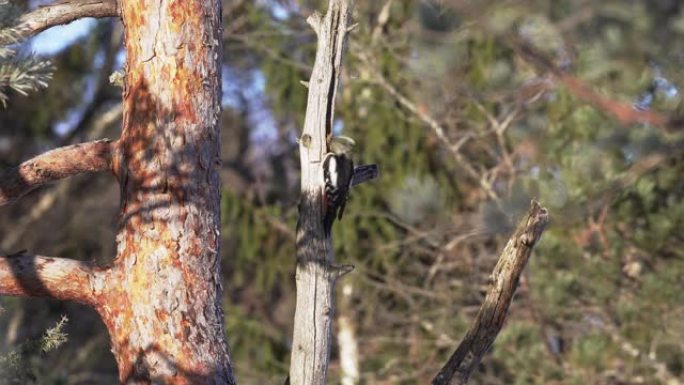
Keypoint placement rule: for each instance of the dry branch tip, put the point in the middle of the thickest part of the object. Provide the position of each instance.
(494, 310)
(338, 271)
(315, 20)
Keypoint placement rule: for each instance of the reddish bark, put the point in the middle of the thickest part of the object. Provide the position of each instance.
(63, 12)
(625, 113)
(161, 299)
(29, 275)
(54, 165)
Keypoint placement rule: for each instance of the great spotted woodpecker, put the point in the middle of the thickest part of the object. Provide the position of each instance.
(338, 170)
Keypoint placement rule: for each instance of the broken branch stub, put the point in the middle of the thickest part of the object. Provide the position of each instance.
(494, 310)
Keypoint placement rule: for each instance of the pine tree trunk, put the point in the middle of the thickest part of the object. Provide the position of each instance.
(161, 300)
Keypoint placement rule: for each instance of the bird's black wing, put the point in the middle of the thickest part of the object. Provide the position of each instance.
(346, 173)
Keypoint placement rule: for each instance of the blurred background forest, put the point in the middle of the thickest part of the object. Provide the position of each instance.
(471, 108)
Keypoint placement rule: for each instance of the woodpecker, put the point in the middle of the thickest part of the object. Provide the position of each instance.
(338, 170)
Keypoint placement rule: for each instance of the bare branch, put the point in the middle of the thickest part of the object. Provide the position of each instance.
(493, 312)
(38, 209)
(439, 131)
(51, 197)
(37, 276)
(625, 113)
(63, 12)
(660, 368)
(54, 165)
(111, 40)
(255, 43)
(316, 274)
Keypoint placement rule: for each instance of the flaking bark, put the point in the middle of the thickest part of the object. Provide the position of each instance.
(54, 165)
(25, 275)
(161, 300)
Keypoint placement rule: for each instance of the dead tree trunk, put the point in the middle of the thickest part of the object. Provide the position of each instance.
(316, 274)
(161, 298)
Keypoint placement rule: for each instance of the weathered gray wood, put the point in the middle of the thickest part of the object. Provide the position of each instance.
(316, 274)
(494, 310)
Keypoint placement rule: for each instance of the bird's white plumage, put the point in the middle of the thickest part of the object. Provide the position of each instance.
(338, 172)
(332, 171)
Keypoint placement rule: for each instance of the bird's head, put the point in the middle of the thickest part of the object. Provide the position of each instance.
(341, 145)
